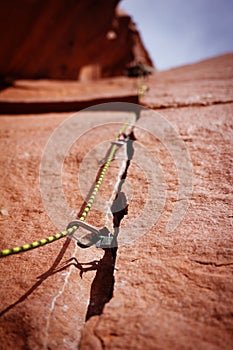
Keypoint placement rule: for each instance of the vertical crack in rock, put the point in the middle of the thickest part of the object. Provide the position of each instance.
(53, 303)
(103, 283)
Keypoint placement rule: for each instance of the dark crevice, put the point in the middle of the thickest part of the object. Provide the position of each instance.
(6, 83)
(186, 105)
(47, 106)
(103, 284)
(212, 263)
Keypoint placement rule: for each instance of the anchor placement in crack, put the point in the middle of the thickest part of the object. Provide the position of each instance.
(89, 235)
(102, 238)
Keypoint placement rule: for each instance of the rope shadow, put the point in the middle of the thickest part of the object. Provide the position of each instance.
(92, 265)
(42, 278)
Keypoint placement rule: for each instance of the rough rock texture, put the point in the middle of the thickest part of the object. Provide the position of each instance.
(67, 39)
(175, 291)
(171, 291)
(205, 83)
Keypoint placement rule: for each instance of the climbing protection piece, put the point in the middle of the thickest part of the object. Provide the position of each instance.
(102, 238)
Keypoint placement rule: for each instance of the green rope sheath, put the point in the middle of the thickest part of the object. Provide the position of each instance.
(37, 244)
(50, 239)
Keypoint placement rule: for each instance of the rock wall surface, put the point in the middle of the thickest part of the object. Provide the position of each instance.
(71, 39)
(167, 290)
(175, 290)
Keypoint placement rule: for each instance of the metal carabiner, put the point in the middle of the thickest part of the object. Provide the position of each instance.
(102, 238)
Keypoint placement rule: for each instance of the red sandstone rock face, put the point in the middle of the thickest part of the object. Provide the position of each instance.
(171, 291)
(67, 39)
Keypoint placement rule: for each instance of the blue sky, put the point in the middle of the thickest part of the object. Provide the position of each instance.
(178, 32)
